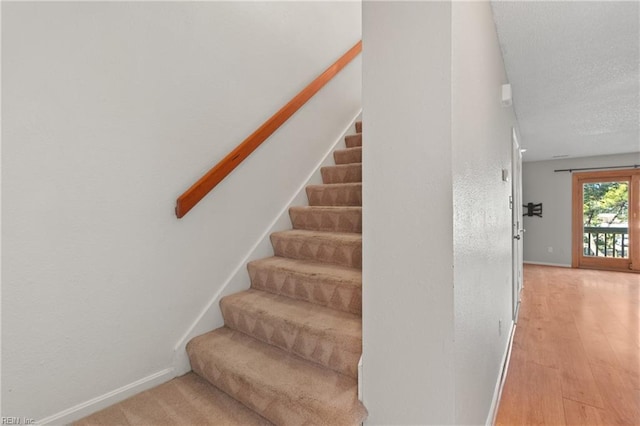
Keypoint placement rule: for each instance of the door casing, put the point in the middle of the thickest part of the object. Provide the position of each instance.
(517, 225)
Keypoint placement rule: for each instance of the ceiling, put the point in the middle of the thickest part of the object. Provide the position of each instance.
(574, 68)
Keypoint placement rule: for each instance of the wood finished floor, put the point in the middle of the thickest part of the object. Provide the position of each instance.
(576, 350)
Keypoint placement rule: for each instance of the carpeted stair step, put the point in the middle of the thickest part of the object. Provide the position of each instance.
(327, 218)
(338, 248)
(358, 126)
(316, 333)
(333, 286)
(347, 156)
(335, 194)
(342, 173)
(185, 400)
(353, 140)
(278, 386)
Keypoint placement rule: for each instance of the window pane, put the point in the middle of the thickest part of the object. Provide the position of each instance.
(606, 215)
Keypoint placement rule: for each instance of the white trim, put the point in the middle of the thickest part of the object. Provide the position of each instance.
(560, 265)
(84, 409)
(360, 378)
(203, 322)
(497, 393)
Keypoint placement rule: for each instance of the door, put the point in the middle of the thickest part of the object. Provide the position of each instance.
(606, 220)
(517, 229)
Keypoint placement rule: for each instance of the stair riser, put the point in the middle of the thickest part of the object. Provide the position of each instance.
(320, 195)
(342, 174)
(353, 140)
(347, 254)
(338, 221)
(358, 126)
(324, 292)
(339, 353)
(348, 156)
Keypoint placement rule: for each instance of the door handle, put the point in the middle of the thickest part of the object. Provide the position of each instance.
(516, 237)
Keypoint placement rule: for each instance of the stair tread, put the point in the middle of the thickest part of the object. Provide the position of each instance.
(336, 185)
(187, 399)
(347, 237)
(348, 155)
(326, 336)
(340, 248)
(343, 166)
(334, 286)
(317, 270)
(279, 386)
(353, 140)
(328, 208)
(327, 218)
(342, 173)
(352, 149)
(305, 314)
(335, 194)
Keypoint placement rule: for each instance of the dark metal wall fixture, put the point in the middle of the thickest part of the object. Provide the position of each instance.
(632, 166)
(533, 209)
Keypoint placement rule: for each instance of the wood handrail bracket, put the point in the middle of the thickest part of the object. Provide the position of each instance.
(206, 183)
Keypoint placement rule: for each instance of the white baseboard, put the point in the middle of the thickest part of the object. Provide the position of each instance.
(84, 409)
(497, 393)
(559, 265)
(210, 317)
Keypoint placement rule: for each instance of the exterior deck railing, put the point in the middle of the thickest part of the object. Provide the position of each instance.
(606, 242)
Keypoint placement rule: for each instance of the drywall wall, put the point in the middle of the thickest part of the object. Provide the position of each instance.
(481, 142)
(407, 271)
(437, 224)
(109, 112)
(547, 239)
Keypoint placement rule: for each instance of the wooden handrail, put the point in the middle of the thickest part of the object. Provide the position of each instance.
(206, 183)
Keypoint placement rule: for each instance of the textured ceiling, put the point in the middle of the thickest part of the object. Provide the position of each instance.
(574, 70)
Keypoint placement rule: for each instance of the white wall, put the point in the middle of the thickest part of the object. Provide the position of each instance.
(407, 213)
(481, 134)
(553, 190)
(110, 111)
(437, 223)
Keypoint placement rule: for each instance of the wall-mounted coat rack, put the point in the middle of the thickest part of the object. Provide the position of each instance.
(533, 209)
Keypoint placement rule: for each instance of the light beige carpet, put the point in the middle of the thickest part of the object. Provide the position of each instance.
(289, 350)
(186, 400)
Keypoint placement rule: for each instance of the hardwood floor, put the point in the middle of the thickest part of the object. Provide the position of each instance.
(576, 351)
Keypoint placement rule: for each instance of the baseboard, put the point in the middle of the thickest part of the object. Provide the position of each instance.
(497, 393)
(360, 384)
(210, 317)
(559, 265)
(84, 409)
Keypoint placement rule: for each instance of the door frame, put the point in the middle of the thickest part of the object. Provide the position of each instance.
(632, 264)
(516, 223)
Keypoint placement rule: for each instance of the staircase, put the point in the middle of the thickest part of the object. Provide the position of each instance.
(288, 352)
(290, 345)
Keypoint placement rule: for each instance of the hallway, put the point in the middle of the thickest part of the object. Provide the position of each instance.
(576, 351)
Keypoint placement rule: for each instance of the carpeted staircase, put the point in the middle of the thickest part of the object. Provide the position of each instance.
(290, 346)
